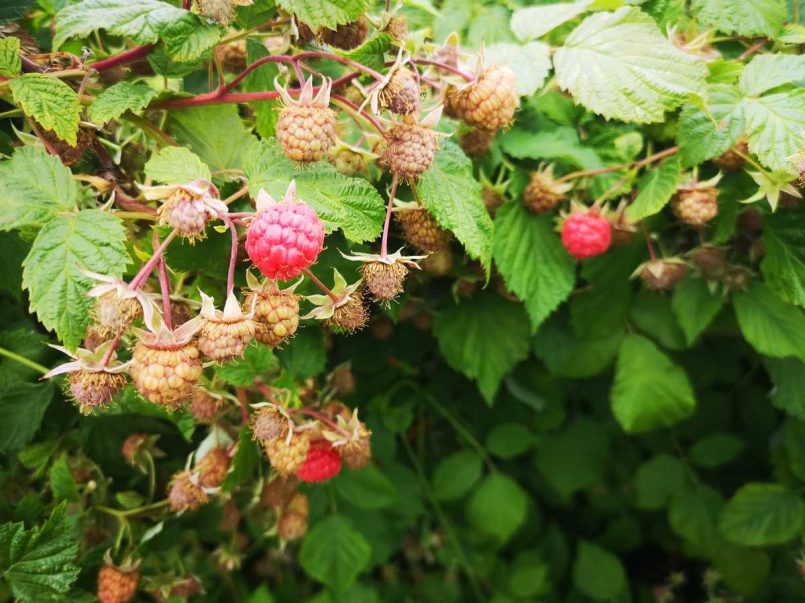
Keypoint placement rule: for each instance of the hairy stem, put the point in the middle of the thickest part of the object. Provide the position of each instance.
(384, 242)
(445, 67)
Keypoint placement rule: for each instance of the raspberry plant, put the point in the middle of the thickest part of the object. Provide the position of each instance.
(337, 301)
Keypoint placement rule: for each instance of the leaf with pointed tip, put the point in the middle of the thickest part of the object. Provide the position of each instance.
(176, 165)
(116, 100)
(742, 17)
(704, 135)
(783, 264)
(769, 324)
(326, 13)
(10, 64)
(775, 128)
(51, 102)
(656, 187)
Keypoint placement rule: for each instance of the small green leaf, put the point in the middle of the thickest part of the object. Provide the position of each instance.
(334, 553)
(599, 574)
(326, 13)
(351, 204)
(775, 128)
(22, 407)
(770, 325)
(62, 483)
(484, 338)
(788, 376)
(573, 458)
(256, 362)
(304, 355)
(116, 100)
(367, 488)
(576, 357)
(762, 515)
(456, 474)
(34, 187)
(450, 192)
(622, 66)
(498, 507)
(372, 53)
(650, 391)
(693, 514)
(509, 440)
(141, 20)
(657, 480)
(266, 113)
(91, 240)
(244, 463)
(533, 262)
(783, 264)
(51, 102)
(742, 17)
(716, 449)
(561, 143)
(10, 64)
(188, 38)
(656, 188)
(695, 306)
(176, 165)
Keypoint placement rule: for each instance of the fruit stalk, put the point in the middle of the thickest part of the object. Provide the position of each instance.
(384, 242)
(164, 285)
(233, 256)
(140, 277)
(321, 285)
(445, 67)
(319, 416)
(614, 168)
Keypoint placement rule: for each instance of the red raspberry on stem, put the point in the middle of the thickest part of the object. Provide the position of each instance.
(586, 233)
(322, 463)
(285, 238)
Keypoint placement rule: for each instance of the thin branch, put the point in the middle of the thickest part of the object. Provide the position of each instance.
(164, 284)
(322, 286)
(384, 242)
(127, 56)
(614, 168)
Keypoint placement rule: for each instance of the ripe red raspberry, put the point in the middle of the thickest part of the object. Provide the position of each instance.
(346, 36)
(116, 584)
(285, 238)
(586, 234)
(306, 126)
(488, 103)
(322, 463)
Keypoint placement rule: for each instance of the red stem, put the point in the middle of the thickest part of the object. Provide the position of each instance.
(445, 67)
(318, 54)
(108, 356)
(384, 242)
(358, 111)
(244, 405)
(142, 275)
(127, 56)
(322, 286)
(648, 242)
(233, 256)
(319, 416)
(164, 284)
(280, 58)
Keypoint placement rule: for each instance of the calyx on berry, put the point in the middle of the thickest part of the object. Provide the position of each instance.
(122, 294)
(306, 128)
(224, 335)
(276, 311)
(187, 207)
(384, 276)
(346, 310)
(586, 232)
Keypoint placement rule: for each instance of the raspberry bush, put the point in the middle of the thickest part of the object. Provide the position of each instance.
(345, 302)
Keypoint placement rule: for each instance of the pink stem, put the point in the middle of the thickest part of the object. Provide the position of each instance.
(280, 58)
(445, 67)
(108, 356)
(164, 284)
(128, 56)
(233, 257)
(384, 242)
(357, 110)
(319, 416)
(648, 242)
(142, 275)
(318, 54)
(322, 286)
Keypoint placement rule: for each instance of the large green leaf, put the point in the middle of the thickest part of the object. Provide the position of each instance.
(775, 127)
(761, 515)
(188, 38)
(34, 187)
(770, 325)
(326, 13)
(742, 17)
(176, 165)
(22, 406)
(368, 488)
(656, 187)
(334, 553)
(497, 507)
(141, 20)
(702, 134)
(622, 66)
(561, 143)
(483, 337)
(38, 563)
(116, 100)
(451, 193)
(695, 306)
(533, 262)
(535, 21)
(788, 376)
(91, 240)
(768, 71)
(599, 574)
(266, 113)
(351, 204)
(716, 449)
(783, 264)
(51, 102)
(650, 391)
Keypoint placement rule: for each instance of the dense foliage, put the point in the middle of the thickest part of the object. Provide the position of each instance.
(581, 379)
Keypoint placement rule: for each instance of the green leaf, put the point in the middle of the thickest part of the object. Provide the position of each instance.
(188, 38)
(351, 204)
(775, 128)
(34, 187)
(650, 391)
(62, 483)
(326, 13)
(704, 135)
(266, 113)
(456, 474)
(794, 446)
(38, 563)
(762, 515)
(372, 53)
(304, 355)
(367, 488)
(215, 133)
(450, 192)
(693, 514)
(51, 102)
(716, 449)
(116, 100)
(334, 553)
(22, 406)
(535, 21)
(533, 262)
(656, 188)
(27, 343)
(695, 306)
(783, 264)
(573, 459)
(509, 440)
(622, 66)
(11, 10)
(176, 165)
(498, 507)
(10, 64)
(484, 338)
(561, 143)
(256, 362)
(142, 20)
(788, 376)
(770, 325)
(742, 17)
(244, 463)
(657, 480)
(91, 240)
(651, 314)
(576, 357)
(530, 62)
(599, 574)
(768, 71)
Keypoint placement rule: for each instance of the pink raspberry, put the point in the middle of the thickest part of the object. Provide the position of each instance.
(285, 239)
(322, 463)
(586, 234)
